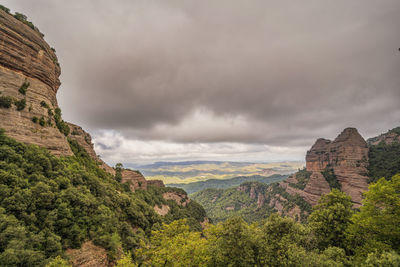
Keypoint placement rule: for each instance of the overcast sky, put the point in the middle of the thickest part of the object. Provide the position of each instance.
(222, 80)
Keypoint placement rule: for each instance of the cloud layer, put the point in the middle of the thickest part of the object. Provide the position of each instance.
(255, 73)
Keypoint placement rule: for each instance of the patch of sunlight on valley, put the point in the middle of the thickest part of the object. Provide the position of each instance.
(189, 173)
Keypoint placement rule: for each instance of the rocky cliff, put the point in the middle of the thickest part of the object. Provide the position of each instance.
(85, 140)
(29, 82)
(390, 137)
(341, 163)
(347, 159)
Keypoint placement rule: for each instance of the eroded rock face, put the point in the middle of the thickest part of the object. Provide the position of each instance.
(255, 192)
(134, 178)
(26, 58)
(347, 155)
(180, 199)
(161, 210)
(156, 183)
(315, 188)
(388, 138)
(85, 140)
(23, 50)
(346, 158)
(89, 255)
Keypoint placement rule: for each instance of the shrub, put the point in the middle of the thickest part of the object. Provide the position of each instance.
(24, 88)
(44, 104)
(61, 125)
(7, 10)
(5, 101)
(35, 119)
(42, 122)
(21, 104)
(24, 19)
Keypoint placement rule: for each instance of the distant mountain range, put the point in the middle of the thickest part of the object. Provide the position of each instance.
(196, 171)
(227, 183)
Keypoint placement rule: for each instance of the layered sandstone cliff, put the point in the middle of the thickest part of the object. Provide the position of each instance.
(341, 164)
(347, 156)
(27, 61)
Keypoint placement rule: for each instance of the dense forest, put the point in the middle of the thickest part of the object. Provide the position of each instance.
(249, 200)
(384, 160)
(334, 235)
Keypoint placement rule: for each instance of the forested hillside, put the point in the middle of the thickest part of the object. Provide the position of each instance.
(191, 188)
(384, 155)
(252, 201)
(333, 235)
(49, 204)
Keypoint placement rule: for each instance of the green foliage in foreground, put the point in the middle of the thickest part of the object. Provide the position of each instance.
(48, 204)
(334, 236)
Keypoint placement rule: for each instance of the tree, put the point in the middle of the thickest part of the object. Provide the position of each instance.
(231, 243)
(386, 259)
(126, 261)
(330, 219)
(376, 226)
(58, 262)
(280, 242)
(174, 245)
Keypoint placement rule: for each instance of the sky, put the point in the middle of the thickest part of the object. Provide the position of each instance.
(222, 80)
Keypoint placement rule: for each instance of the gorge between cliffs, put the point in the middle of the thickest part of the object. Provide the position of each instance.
(62, 204)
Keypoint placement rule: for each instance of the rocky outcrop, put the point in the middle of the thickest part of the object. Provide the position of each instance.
(134, 178)
(390, 137)
(24, 50)
(156, 183)
(85, 140)
(180, 198)
(89, 255)
(161, 210)
(342, 163)
(255, 192)
(347, 156)
(25, 58)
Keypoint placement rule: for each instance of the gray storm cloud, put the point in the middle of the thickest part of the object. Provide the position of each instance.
(270, 72)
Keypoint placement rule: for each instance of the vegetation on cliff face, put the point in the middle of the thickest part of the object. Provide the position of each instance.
(302, 177)
(331, 178)
(250, 200)
(21, 17)
(221, 204)
(335, 235)
(48, 204)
